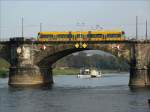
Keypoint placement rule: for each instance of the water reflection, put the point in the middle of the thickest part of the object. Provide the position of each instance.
(30, 87)
(70, 94)
(139, 89)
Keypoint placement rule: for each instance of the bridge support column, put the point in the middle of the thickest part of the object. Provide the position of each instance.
(139, 70)
(139, 77)
(30, 76)
(23, 70)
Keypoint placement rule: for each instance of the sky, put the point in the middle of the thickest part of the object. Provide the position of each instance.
(72, 15)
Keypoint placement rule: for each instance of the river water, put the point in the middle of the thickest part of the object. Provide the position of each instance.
(109, 93)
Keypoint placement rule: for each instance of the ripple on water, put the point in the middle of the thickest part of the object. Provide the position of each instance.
(70, 94)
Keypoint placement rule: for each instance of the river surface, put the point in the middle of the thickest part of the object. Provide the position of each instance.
(109, 93)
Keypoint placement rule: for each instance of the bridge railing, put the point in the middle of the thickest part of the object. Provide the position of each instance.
(32, 40)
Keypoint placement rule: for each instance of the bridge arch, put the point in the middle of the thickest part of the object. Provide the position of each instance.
(62, 51)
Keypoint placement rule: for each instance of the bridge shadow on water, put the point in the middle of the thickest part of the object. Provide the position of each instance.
(132, 89)
(30, 87)
(139, 89)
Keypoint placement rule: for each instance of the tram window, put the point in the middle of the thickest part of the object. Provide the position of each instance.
(93, 36)
(69, 35)
(65, 36)
(79, 35)
(43, 36)
(109, 35)
(99, 35)
(113, 35)
(117, 35)
(73, 36)
(89, 35)
(50, 36)
(83, 35)
(61, 36)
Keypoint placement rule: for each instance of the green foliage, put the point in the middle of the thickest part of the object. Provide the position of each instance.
(65, 71)
(4, 67)
(98, 61)
(3, 73)
(4, 64)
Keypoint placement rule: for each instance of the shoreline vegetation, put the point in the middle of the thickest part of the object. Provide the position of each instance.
(75, 71)
(61, 71)
(4, 73)
(71, 64)
(4, 68)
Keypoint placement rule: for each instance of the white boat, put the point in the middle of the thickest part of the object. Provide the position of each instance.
(89, 73)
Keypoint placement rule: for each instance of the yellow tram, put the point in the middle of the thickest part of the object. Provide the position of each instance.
(102, 35)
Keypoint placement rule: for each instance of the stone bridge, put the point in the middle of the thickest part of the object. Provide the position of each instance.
(31, 62)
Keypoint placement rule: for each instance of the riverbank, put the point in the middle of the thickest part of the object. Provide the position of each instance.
(66, 71)
(75, 71)
(60, 71)
(4, 68)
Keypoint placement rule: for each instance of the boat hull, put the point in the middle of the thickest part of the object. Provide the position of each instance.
(88, 76)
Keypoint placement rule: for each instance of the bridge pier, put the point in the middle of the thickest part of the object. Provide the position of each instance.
(23, 70)
(139, 65)
(30, 76)
(139, 77)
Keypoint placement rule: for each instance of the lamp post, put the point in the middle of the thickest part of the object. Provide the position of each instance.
(146, 31)
(22, 27)
(136, 27)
